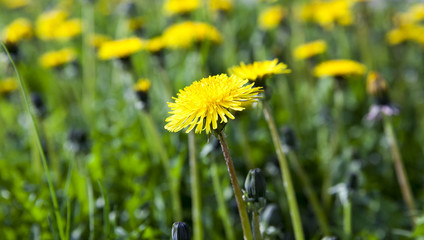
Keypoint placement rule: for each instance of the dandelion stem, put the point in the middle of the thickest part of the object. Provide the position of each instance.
(400, 170)
(347, 218)
(195, 189)
(236, 187)
(222, 208)
(288, 186)
(310, 194)
(256, 230)
(40, 148)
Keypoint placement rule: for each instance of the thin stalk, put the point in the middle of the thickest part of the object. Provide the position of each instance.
(222, 208)
(236, 187)
(68, 218)
(53, 197)
(400, 170)
(106, 210)
(285, 173)
(161, 151)
(310, 194)
(255, 223)
(347, 218)
(195, 189)
(91, 208)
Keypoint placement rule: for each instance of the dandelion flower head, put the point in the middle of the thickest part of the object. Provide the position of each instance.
(142, 85)
(173, 7)
(376, 85)
(57, 58)
(409, 32)
(19, 29)
(8, 85)
(54, 25)
(185, 34)
(120, 48)
(271, 17)
(310, 49)
(203, 102)
(327, 13)
(155, 44)
(96, 40)
(259, 70)
(337, 68)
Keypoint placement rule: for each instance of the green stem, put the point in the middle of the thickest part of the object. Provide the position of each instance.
(222, 208)
(288, 185)
(256, 230)
(310, 194)
(106, 210)
(347, 218)
(236, 187)
(91, 208)
(195, 189)
(158, 148)
(24, 95)
(400, 170)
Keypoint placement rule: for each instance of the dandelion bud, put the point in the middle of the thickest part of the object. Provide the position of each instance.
(141, 89)
(180, 231)
(78, 141)
(377, 87)
(255, 190)
(39, 106)
(352, 183)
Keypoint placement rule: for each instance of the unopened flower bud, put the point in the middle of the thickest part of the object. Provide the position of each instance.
(377, 87)
(289, 138)
(39, 106)
(255, 184)
(180, 231)
(141, 89)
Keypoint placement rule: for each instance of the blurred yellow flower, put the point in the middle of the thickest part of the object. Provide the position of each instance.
(155, 44)
(338, 68)
(96, 39)
(8, 85)
(259, 70)
(142, 85)
(327, 13)
(135, 23)
(224, 5)
(310, 49)
(410, 32)
(120, 48)
(53, 25)
(271, 17)
(12, 4)
(173, 7)
(19, 29)
(376, 85)
(414, 15)
(183, 35)
(58, 58)
(200, 104)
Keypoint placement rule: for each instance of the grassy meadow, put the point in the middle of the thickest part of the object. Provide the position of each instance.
(244, 119)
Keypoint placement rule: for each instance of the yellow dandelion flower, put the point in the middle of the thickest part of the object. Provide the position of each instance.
(173, 7)
(200, 104)
(8, 85)
(12, 4)
(414, 15)
(48, 22)
(410, 32)
(120, 48)
(310, 49)
(337, 68)
(271, 17)
(185, 34)
(155, 44)
(68, 29)
(19, 29)
(58, 58)
(223, 5)
(376, 85)
(259, 70)
(142, 85)
(327, 13)
(54, 25)
(96, 39)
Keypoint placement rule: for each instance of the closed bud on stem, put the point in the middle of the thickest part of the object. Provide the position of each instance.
(141, 89)
(255, 190)
(180, 231)
(39, 106)
(289, 139)
(377, 87)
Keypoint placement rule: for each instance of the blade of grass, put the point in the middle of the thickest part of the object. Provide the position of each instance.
(106, 210)
(34, 127)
